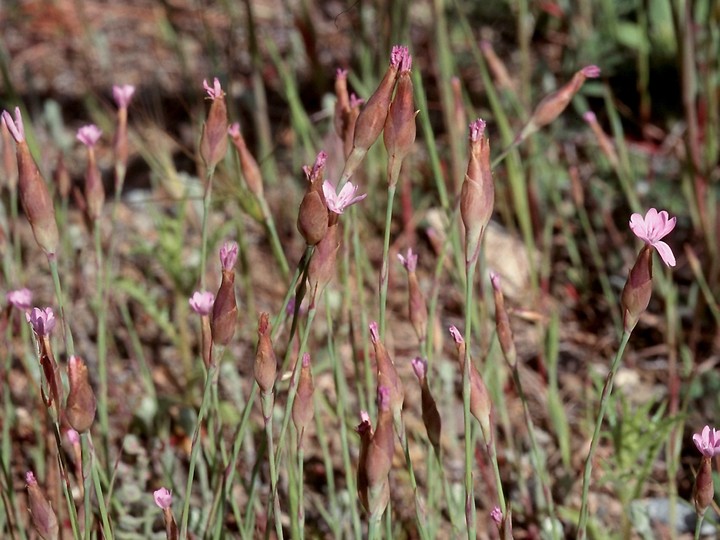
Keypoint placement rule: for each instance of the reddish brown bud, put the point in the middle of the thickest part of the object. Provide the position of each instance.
(9, 172)
(342, 103)
(552, 105)
(703, 491)
(638, 289)
(322, 264)
(477, 197)
(496, 65)
(399, 130)
(430, 413)
(303, 407)
(224, 319)
(313, 216)
(379, 456)
(248, 164)
(387, 376)
(41, 513)
(51, 371)
(417, 308)
(213, 142)
(502, 323)
(81, 404)
(120, 140)
(350, 123)
(62, 179)
(265, 368)
(370, 122)
(459, 116)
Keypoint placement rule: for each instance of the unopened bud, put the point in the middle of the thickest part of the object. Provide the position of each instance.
(380, 455)
(417, 308)
(313, 217)
(502, 323)
(477, 198)
(552, 105)
(224, 318)
(350, 123)
(387, 375)
(81, 403)
(703, 491)
(342, 103)
(303, 408)
(34, 194)
(322, 265)
(430, 414)
(459, 115)
(265, 368)
(62, 179)
(248, 165)
(371, 120)
(9, 169)
(638, 289)
(41, 513)
(496, 65)
(94, 190)
(213, 142)
(399, 130)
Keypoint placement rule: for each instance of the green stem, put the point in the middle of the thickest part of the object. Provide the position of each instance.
(604, 401)
(384, 269)
(267, 405)
(69, 343)
(698, 526)
(206, 210)
(102, 344)
(275, 243)
(88, 451)
(210, 376)
(400, 427)
(301, 489)
(470, 517)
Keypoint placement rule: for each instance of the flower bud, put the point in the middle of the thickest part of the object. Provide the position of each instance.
(81, 405)
(387, 376)
(8, 172)
(34, 194)
(502, 323)
(430, 414)
(248, 165)
(351, 121)
(552, 105)
(638, 289)
(303, 407)
(322, 265)
(163, 499)
(380, 455)
(496, 65)
(459, 115)
(213, 142)
(122, 96)
(399, 130)
(224, 318)
(312, 222)
(265, 368)
(477, 197)
(417, 308)
(41, 513)
(370, 122)
(342, 103)
(62, 179)
(703, 491)
(94, 190)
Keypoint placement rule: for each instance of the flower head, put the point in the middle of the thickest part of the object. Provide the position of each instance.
(122, 95)
(89, 135)
(42, 320)
(234, 129)
(477, 129)
(496, 515)
(163, 498)
(202, 302)
(457, 336)
(228, 255)
(215, 91)
(591, 71)
(409, 261)
(708, 441)
(419, 366)
(72, 436)
(651, 229)
(16, 127)
(338, 202)
(20, 299)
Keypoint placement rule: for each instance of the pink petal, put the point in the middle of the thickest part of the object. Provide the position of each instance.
(665, 253)
(638, 227)
(668, 226)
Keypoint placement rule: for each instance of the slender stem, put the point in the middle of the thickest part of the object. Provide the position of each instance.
(206, 210)
(101, 344)
(301, 489)
(384, 268)
(88, 450)
(210, 376)
(267, 405)
(69, 344)
(470, 517)
(604, 401)
(275, 243)
(698, 526)
(400, 427)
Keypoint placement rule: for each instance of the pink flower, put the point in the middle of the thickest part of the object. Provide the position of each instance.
(30, 478)
(419, 366)
(72, 436)
(496, 515)
(591, 72)
(589, 117)
(16, 127)
(398, 55)
(409, 261)
(457, 336)
(202, 302)
(42, 320)
(234, 129)
(655, 226)
(228, 255)
(708, 441)
(215, 91)
(163, 498)
(477, 128)
(338, 202)
(122, 95)
(20, 299)
(89, 135)
(374, 332)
